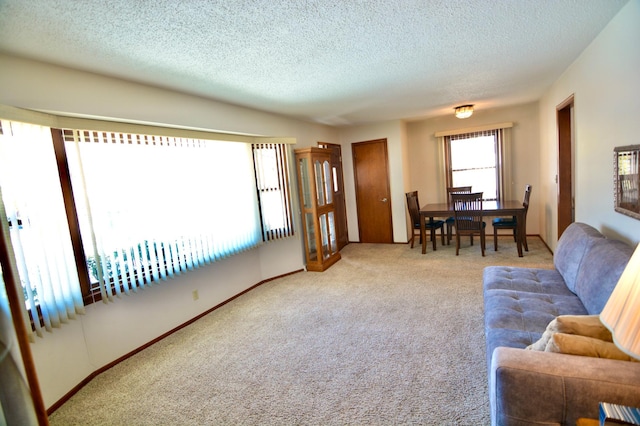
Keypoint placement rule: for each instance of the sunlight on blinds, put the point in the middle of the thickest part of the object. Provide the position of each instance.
(157, 206)
(474, 162)
(34, 207)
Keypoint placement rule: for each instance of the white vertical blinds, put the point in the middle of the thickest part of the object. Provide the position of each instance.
(272, 178)
(479, 159)
(33, 205)
(151, 207)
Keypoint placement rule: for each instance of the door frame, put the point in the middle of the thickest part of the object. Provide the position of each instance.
(565, 176)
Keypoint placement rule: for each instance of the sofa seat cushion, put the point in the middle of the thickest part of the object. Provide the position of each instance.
(532, 280)
(526, 311)
(517, 318)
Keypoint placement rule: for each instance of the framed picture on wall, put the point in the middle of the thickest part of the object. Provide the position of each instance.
(626, 164)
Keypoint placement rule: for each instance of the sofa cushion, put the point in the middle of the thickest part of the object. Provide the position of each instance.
(527, 311)
(603, 264)
(572, 344)
(572, 246)
(517, 318)
(582, 325)
(531, 280)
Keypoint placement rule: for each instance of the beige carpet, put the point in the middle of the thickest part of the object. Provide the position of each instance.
(386, 336)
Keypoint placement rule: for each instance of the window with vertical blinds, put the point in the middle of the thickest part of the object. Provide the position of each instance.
(476, 159)
(152, 207)
(91, 215)
(272, 179)
(33, 206)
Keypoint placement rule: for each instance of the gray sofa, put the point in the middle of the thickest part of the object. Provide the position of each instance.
(535, 387)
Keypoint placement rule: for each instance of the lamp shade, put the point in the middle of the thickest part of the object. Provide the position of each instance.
(464, 111)
(621, 314)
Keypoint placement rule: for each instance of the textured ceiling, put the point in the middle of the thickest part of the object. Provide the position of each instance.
(338, 62)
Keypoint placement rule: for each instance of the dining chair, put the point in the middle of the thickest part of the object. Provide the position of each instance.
(512, 222)
(450, 221)
(467, 211)
(430, 225)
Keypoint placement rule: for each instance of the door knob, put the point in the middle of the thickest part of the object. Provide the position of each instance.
(384, 200)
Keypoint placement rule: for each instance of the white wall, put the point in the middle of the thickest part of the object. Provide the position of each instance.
(394, 132)
(426, 165)
(606, 84)
(108, 332)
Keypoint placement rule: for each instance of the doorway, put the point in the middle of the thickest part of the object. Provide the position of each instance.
(342, 232)
(566, 204)
(373, 194)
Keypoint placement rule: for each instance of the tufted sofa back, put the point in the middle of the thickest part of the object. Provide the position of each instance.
(590, 264)
(572, 246)
(601, 268)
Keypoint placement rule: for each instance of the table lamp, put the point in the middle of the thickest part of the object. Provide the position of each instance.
(621, 314)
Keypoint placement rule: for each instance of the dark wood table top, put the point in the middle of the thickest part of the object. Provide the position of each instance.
(490, 208)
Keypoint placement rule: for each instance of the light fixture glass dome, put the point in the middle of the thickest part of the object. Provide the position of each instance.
(464, 111)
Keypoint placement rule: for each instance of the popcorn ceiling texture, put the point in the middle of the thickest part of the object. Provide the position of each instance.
(331, 61)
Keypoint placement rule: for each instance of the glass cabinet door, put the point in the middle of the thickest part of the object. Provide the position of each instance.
(304, 183)
(315, 181)
(320, 193)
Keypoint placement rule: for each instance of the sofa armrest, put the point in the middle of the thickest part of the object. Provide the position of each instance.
(543, 388)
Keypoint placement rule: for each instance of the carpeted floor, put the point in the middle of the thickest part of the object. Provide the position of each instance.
(386, 336)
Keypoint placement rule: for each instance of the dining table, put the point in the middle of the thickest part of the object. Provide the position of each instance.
(493, 208)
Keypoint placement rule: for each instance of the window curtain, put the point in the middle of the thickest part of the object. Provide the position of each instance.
(272, 179)
(151, 207)
(33, 206)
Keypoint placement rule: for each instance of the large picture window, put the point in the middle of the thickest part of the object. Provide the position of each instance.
(150, 207)
(94, 214)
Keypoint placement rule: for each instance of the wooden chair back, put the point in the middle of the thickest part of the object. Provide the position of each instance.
(457, 190)
(468, 212)
(414, 208)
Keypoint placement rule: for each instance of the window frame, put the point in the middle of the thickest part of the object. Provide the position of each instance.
(91, 292)
(499, 153)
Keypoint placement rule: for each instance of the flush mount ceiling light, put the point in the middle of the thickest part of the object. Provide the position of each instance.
(464, 111)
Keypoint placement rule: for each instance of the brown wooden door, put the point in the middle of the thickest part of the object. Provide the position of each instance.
(338, 193)
(566, 213)
(373, 195)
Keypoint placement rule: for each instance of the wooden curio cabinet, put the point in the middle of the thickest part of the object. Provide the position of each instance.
(315, 184)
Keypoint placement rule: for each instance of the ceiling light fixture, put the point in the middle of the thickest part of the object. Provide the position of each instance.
(464, 111)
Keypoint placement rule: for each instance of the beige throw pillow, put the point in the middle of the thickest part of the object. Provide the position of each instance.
(572, 344)
(581, 325)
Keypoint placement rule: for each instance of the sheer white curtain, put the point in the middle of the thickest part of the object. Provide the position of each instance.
(152, 207)
(39, 235)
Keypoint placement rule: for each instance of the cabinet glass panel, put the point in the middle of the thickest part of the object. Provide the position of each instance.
(325, 236)
(306, 187)
(319, 187)
(327, 181)
(311, 236)
(332, 233)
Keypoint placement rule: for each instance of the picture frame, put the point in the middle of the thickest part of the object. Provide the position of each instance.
(626, 179)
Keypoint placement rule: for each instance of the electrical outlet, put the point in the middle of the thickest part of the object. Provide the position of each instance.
(195, 295)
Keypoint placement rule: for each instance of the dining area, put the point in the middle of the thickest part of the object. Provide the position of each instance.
(466, 214)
